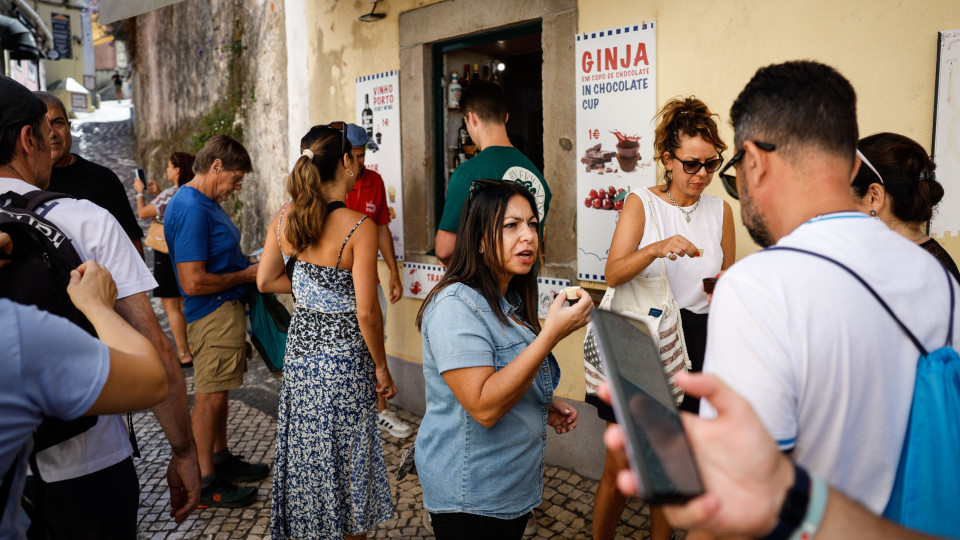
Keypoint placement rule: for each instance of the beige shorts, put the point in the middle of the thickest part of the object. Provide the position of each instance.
(219, 349)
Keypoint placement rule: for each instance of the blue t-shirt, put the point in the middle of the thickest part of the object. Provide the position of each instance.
(59, 377)
(197, 229)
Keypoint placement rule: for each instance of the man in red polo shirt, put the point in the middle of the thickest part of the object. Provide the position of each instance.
(369, 197)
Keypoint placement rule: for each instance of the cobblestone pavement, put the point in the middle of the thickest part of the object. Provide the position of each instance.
(106, 137)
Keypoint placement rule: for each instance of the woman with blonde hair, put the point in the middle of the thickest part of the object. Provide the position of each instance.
(330, 479)
(698, 242)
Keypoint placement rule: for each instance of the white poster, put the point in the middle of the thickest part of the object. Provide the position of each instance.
(946, 136)
(378, 111)
(616, 103)
(420, 279)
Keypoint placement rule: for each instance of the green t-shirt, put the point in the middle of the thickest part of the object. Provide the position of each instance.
(493, 163)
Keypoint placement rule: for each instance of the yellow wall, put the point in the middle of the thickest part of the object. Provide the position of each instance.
(886, 48)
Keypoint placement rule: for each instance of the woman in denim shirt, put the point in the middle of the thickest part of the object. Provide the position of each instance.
(489, 372)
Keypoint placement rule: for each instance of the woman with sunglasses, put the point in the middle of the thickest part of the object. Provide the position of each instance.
(330, 480)
(489, 372)
(179, 172)
(896, 184)
(698, 242)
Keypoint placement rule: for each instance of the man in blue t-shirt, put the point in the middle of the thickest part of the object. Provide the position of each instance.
(213, 275)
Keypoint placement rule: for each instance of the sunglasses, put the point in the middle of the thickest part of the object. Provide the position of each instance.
(729, 180)
(342, 128)
(480, 185)
(693, 166)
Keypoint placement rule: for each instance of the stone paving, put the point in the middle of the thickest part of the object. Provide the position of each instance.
(107, 138)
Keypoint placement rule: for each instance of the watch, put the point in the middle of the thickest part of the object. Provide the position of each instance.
(802, 509)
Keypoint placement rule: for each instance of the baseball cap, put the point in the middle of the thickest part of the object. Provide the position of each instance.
(357, 135)
(18, 106)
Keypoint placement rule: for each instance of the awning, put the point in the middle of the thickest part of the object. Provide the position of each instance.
(16, 38)
(115, 10)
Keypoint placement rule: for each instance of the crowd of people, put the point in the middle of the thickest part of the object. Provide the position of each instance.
(809, 348)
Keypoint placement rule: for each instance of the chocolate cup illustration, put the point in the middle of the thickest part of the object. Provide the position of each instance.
(628, 154)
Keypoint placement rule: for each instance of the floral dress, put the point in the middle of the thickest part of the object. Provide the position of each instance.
(330, 477)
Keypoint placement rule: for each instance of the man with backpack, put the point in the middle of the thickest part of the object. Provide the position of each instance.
(90, 479)
(799, 329)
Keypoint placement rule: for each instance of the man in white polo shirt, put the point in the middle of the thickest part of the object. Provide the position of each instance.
(90, 478)
(829, 372)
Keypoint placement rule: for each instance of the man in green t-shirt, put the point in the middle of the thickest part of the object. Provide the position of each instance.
(485, 112)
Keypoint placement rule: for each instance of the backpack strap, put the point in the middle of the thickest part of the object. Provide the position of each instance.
(36, 198)
(916, 342)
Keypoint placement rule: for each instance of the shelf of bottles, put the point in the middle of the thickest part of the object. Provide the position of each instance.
(475, 67)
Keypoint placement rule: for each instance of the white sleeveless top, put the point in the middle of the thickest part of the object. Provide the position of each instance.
(704, 230)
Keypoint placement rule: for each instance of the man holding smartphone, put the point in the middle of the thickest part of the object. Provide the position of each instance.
(83, 179)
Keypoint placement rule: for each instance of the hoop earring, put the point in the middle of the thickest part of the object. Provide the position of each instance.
(350, 173)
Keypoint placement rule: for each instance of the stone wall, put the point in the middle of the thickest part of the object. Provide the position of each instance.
(190, 57)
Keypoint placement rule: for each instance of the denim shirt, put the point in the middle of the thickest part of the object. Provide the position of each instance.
(463, 466)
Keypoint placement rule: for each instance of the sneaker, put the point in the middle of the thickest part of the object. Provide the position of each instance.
(234, 468)
(389, 422)
(531, 528)
(225, 495)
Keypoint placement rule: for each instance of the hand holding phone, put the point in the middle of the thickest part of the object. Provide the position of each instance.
(657, 447)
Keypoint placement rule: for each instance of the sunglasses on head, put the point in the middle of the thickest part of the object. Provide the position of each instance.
(480, 185)
(342, 128)
(729, 181)
(692, 166)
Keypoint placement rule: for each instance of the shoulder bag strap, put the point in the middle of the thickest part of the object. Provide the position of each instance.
(916, 342)
(656, 227)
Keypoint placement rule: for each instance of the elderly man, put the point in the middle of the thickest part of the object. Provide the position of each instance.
(84, 179)
(213, 276)
(90, 479)
(829, 372)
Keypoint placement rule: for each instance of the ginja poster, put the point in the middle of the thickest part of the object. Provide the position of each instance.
(616, 104)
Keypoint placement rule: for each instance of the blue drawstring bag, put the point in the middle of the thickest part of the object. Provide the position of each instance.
(926, 488)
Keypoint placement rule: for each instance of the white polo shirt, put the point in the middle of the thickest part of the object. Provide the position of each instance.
(97, 235)
(828, 371)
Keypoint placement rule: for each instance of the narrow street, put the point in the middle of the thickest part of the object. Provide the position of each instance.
(106, 137)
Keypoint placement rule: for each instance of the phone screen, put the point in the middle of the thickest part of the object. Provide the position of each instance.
(140, 174)
(657, 446)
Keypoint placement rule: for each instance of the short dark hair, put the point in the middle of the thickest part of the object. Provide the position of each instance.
(486, 100)
(481, 224)
(901, 162)
(796, 104)
(51, 100)
(9, 137)
(228, 150)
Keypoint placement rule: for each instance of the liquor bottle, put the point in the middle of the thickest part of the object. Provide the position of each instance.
(464, 135)
(366, 116)
(466, 77)
(486, 72)
(454, 91)
(476, 73)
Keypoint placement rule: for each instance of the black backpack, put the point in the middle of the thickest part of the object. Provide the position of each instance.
(37, 275)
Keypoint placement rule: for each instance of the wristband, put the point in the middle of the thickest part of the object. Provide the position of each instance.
(141, 195)
(795, 507)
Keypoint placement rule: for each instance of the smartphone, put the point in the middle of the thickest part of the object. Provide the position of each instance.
(657, 447)
(140, 174)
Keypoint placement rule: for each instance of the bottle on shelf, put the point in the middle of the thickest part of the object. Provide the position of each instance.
(454, 91)
(486, 72)
(463, 134)
(366, 116)
(466, 76)
(476, 73)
